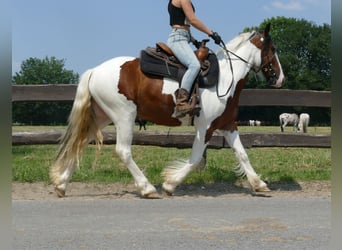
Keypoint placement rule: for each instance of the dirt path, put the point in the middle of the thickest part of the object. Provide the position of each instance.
(93, 191)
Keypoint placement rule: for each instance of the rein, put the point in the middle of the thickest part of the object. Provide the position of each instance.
(228, 52)
(223, 46)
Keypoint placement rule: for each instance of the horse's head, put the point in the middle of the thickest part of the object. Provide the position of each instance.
(270, 64)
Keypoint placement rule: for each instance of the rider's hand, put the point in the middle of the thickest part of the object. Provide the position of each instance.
(216, 37)
(197, 44)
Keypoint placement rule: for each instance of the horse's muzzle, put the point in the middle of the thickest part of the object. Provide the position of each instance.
(277, 82)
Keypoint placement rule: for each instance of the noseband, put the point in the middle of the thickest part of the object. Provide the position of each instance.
(268, 69)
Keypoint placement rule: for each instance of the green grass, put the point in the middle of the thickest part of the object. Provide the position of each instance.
(31, 164)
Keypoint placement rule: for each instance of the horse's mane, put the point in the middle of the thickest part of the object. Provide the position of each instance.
(236, 42)
(239, 40)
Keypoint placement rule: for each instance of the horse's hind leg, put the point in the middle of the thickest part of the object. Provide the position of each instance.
(124, 136)
(73, 144)
(59, 178)
(282, 125)
(62, 169)
(245, 168)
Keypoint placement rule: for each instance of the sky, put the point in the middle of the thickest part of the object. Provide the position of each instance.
(86, 33)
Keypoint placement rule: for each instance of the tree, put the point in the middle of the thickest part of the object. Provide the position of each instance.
(42, 71)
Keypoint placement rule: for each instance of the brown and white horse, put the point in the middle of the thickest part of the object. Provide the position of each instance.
(117, 91)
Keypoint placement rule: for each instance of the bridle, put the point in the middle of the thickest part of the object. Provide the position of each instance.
(266, 68)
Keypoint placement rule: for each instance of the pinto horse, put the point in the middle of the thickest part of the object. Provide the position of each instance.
(118, 91)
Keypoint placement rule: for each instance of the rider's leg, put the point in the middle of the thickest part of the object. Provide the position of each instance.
(179, 43)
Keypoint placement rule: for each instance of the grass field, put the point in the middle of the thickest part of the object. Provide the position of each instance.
(31, 163)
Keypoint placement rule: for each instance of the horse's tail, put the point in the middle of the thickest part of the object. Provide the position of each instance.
(280, 119)
(306, 124)
(82, 128)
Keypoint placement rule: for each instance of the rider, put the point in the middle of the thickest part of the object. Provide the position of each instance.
(182, 15)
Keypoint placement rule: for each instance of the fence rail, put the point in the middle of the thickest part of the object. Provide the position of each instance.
(185, 140)
(249, 97)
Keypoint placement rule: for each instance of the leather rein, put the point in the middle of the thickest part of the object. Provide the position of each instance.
(228, 52)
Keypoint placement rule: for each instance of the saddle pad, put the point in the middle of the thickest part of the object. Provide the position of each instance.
(154, 66)
(162, 67)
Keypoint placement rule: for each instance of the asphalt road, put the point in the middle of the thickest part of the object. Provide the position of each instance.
(175, 223)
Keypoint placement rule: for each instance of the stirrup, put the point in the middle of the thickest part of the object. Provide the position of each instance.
(195, 111)
(192, 112)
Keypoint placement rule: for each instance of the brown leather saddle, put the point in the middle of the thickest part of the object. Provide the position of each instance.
(160, 61)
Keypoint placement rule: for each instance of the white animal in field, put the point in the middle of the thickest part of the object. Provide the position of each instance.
(286, 118)
(257, 123)
(251, 122)
(303, 124)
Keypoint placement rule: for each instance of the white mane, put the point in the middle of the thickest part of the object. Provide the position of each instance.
(236, 42)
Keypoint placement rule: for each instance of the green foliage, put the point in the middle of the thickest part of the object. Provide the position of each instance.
(42, 71)
(41, 113)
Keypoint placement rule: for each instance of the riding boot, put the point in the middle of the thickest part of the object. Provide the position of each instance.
(183, 106)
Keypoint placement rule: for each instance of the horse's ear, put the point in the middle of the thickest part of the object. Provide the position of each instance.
(267, 29)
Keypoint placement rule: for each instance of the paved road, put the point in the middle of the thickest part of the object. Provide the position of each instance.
(176, 223)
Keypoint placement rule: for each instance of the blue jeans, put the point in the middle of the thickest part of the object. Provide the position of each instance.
(178, 42)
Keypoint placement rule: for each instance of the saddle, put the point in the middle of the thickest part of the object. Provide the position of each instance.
(160, 61)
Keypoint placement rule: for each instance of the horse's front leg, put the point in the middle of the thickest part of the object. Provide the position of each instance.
(176, 172)
(245, 168)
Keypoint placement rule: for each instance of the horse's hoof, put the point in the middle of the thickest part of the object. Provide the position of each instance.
(60, 192)
(167, 189)
(262, 189)
(153, 195)
(167, 192)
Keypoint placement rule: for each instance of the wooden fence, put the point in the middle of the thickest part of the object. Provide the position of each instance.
(249, 97)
